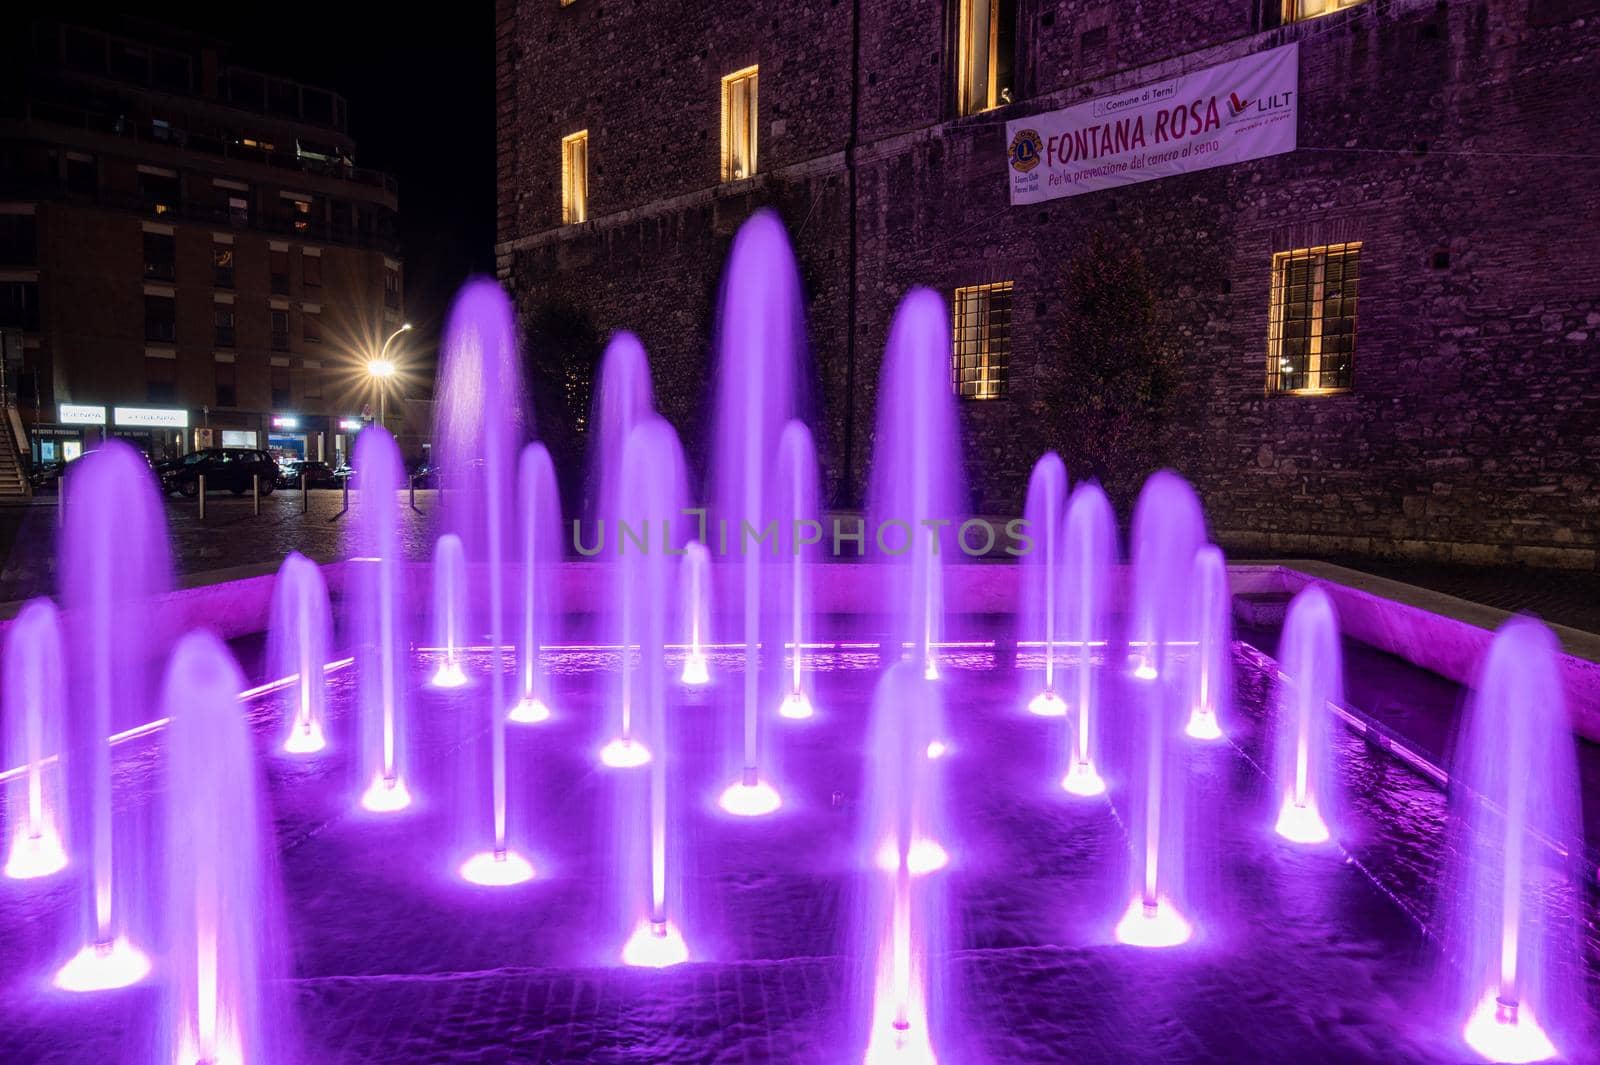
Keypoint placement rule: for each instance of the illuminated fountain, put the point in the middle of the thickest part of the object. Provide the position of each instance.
(656, 490)
(113, 563)
(35, 701)
(223, 953)
(695, 584)
(449, 608)
(479, 426)
(903, 847)
(917, 492)
(297, 647)
(654, 517)
(1042, 601)
(539, 526)
(1167, 532)
(799, 533)
(1312, 683)
(761, 352)
(1089, 540)
(1213, 626)
(380, 629)
(1510, 898)
(623, 398)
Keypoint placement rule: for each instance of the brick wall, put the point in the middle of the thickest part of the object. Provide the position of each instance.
(1464, 127)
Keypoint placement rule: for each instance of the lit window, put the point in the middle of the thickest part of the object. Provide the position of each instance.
(222, 265)
(1311, 336)
(1300, 10)
(739, 124)
(575, 177)
(982, 340)
(986, 39)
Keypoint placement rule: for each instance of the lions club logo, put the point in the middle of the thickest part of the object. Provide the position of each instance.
(1026, 148)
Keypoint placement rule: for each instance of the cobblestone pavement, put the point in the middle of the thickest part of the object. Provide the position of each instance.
(1309, 957)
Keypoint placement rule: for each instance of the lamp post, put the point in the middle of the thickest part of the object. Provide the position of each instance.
(380, 369)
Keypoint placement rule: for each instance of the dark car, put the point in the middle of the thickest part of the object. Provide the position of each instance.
(46, 476)
(317, 474)
(228, 468)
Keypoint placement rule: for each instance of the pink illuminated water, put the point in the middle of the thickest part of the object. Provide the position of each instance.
(761, 374)
(1168, 530)
(800, 532)
(1514, 961)
(917, 495)
(1041, 620)
(694, 590)
(223, 956)
(1210, 678)
(655, 489)
(449, 609)
(903, 850)
(539, 539)
(113, 563)
(1311, 685)
(1089, 540)
(480, 424)
(297, 646)
(623, 398)
(34, 803)
(380, 626)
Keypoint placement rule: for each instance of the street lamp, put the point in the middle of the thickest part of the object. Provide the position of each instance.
(381, 369)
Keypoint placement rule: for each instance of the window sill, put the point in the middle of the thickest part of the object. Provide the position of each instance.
(1309, 393)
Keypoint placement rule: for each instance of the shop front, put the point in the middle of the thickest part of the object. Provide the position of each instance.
(158, 432)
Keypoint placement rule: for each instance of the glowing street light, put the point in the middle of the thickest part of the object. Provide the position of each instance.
(382, 368)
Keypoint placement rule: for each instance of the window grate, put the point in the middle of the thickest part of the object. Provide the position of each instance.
(982, 340)
(1311, 334)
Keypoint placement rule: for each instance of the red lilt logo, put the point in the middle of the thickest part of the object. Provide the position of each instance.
(1237, 105)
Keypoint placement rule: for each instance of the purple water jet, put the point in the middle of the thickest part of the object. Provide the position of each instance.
(297, 647)
(1168, 530)
(655, 490)
(1510, 896)
(224, 954)
(1041, 621)
(1213, 625)
(113, 564)
(35, 701)
(449, 609)
(904, 833)
(623, 398)
(380, 626)
(539, 526)
(761, 368)
(1090, 542)
(917, 494)
(1312, 683)
(695, 585)
(799, 496)
(479, 426)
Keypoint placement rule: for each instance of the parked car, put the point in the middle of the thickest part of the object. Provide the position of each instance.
(46, 476)
(228, 468)
(424, 475)
(317, 474)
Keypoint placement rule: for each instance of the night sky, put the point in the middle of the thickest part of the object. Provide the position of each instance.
(421, 105)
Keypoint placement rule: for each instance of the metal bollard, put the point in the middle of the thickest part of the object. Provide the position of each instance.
(202, 495)
(305, 494)
(255, 494)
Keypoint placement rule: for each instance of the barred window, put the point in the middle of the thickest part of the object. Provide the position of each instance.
(575, 177)
(982, 340)
(739, 124)
(1311, 336)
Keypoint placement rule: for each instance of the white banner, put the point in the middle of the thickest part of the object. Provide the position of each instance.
(1213, 117)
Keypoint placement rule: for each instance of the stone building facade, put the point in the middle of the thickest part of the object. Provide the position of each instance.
(1455, 142)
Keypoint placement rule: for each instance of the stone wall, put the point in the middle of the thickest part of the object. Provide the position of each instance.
(1455, 140)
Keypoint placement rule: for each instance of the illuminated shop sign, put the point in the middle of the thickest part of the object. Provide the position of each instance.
(78, 414)
(151, 418)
